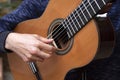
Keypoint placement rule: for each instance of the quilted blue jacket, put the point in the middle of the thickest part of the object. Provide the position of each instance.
(30, 9)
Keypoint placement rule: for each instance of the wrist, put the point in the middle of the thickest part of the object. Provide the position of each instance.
(8, 41)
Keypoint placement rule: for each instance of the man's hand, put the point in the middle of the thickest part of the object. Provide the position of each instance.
(30, 47)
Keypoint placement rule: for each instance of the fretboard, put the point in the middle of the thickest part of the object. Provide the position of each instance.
(82, 15)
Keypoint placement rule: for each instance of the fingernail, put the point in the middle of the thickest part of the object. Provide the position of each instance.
(51, 39)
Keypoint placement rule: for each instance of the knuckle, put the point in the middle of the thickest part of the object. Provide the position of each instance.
(26, 60)
(37, 43)
(52, 48)
(29, 57)
(34, 50)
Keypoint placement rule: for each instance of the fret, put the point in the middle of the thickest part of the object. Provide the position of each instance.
(87, 10)
(103, 2)
(83, 14)
(79, 21)
(80, 17)
(106, 1)
(70, 23)
(66, 30)
(73, 20)
(76, 19)
(97, 4)
(92, 7)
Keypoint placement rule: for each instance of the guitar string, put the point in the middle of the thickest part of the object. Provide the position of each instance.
(62, 23)
(62, 31)
(58, 27)
(61, 28)
(72, 20)
(64, 20)
(64, 39)
(63, 34)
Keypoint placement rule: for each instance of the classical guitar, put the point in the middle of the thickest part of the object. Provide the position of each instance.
(78, 37)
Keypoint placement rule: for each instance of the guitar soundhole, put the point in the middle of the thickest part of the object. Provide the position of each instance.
(61, 39)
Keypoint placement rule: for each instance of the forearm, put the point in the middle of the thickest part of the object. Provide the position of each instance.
(28, 9)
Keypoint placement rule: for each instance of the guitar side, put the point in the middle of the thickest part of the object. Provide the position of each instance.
(85, 45)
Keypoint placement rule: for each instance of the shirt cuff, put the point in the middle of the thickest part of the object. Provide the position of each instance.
(3, 36)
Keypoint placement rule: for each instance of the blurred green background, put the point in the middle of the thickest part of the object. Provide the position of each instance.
(8, 5)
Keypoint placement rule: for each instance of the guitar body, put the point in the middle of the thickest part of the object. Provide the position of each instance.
(86, 44)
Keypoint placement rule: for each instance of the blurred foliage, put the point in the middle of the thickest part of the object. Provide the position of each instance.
(5, 7)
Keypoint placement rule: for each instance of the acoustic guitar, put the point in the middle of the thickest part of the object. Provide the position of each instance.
(76, 33)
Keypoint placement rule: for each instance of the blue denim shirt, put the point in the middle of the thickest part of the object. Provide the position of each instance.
(30, 9)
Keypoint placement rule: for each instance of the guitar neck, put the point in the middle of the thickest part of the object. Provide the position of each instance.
(82, 15)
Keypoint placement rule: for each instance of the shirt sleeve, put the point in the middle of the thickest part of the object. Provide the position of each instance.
(28, 9)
